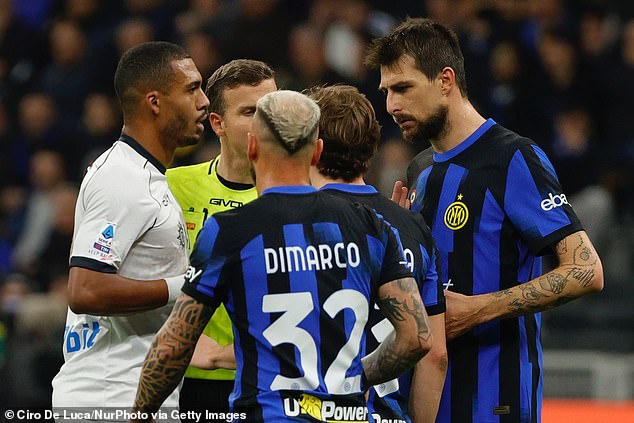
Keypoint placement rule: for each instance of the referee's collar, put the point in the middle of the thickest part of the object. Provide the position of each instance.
(142, 151)
(352, 189)
(290, 189)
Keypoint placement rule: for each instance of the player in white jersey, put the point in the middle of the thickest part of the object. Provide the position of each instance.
(130, 244)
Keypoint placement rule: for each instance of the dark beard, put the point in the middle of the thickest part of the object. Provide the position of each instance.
(174, 132)
(432, 128)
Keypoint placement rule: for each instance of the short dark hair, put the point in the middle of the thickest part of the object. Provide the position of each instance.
(231, 75)
(349, 129)
(432, 46)
(143, 68)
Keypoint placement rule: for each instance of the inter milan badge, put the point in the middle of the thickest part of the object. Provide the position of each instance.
(456, 215)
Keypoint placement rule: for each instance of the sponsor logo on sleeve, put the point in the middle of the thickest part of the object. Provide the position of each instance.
(553, 201)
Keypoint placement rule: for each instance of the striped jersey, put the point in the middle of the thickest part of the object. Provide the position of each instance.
(389, 401)
(298, 271)
(201, 192)
(495, 205)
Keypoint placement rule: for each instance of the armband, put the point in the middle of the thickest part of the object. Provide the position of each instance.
(174, 285)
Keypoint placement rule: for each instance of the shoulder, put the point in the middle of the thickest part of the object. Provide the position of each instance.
(420, 162)
(119, 179)
(176, 174)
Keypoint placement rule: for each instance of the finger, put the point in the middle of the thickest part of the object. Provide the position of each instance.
(397, 192)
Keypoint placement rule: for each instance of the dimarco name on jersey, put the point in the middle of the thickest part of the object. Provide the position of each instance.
(311, 257)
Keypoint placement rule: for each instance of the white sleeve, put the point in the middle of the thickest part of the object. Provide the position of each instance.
(115, 209)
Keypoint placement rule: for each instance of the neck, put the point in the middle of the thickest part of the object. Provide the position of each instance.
(234, 167)
(463, 120)
(318, 180)
(149, 138)
(283, 174)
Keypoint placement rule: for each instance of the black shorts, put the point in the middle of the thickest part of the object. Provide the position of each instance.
(203, 394)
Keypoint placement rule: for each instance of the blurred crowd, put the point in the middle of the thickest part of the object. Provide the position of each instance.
(560, 72)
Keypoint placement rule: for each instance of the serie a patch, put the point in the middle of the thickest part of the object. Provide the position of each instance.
(102, 246)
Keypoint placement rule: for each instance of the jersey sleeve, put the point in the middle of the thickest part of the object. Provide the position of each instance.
(534, 200)
(430, 282)
(115, 214)
(394, 265)
(203, 280)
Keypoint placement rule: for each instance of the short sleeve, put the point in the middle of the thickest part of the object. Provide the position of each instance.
(113, 212)
(534, 201)
(431, 288)
(203, 278)
(394, 265)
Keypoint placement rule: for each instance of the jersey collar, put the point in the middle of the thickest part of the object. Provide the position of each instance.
(443, 157)
(142, 151)
(290, 189)
(352, 189)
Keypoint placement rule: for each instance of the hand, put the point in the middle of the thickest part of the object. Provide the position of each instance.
(463, 313)
(399, 195)
(209, 355)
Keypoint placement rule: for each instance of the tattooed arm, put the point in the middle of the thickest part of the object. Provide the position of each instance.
(579, 273)
(411, 339)
(171, 352)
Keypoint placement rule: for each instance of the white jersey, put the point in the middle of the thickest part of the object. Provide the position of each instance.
(127, 222)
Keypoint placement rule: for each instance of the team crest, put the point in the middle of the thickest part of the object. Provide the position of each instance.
(456, 215)
(183, 240)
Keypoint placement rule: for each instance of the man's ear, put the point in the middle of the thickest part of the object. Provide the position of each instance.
(319, 147)
(152, 101)
(447, 80)
(215, 120)
(252, 147)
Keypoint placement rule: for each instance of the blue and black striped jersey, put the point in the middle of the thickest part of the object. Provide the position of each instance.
(389, 401)
(297, 270)
(495, 205)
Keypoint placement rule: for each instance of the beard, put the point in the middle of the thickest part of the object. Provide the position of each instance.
(432, 128)
(176, 130)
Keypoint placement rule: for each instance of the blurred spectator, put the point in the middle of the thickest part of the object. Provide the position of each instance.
(69, 75)
(308, 60)
(346, 39)
(12, 203)
(53, 260)
(47, 174)
(260, 32)
(132, 32)
(203, 48)
(38, 128)
(214, 16)
(98, 129)
(580, 162)
(389, 165)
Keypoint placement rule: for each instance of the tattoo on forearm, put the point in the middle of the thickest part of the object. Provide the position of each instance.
(561, 247)
(389, 361)
(583, 276)
(553, 282)
(504, 292)
(530, 293)
(170, 353)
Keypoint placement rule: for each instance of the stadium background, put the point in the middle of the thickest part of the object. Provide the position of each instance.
(560, 72)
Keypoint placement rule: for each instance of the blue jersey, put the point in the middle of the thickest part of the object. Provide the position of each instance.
(297, 271)
(389, 401)
(494, 205)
